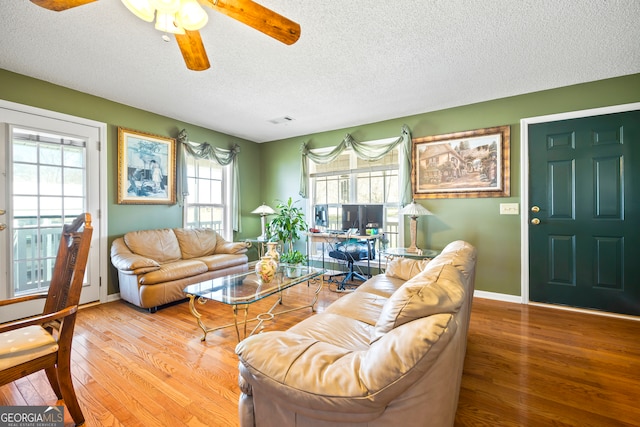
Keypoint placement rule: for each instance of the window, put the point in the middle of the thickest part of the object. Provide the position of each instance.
(207, 205)
(351, 180)
(49, 189)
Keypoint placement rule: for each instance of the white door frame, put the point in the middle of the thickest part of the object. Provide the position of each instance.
(102, 198)
(524, 176)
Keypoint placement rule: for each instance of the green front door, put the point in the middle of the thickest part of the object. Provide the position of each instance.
(584, 212)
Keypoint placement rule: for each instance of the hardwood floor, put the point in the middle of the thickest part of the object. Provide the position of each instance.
(525, 366)
(540, 366)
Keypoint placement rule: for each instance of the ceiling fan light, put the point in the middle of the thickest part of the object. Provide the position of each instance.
(191, 15)
(141, 8)
(166, 5)
(166, 22)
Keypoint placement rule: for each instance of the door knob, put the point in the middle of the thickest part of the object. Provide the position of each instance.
(535, 221)
(535, 209)
(2, 212)
(2, 226)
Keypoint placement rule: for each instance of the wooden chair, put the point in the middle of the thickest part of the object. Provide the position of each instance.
(44, 341)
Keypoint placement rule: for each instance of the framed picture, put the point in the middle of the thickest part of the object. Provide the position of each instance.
(463, 164)
(146, 168)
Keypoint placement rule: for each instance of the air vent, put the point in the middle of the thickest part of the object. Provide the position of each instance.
(285, 119)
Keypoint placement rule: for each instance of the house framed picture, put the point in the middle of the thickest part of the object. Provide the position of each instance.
(146, 168)
(463, 164)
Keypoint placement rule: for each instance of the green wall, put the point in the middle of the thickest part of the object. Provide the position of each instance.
(477, 221)
(276, 165)
(123, 218)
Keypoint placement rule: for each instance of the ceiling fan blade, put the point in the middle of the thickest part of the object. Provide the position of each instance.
(60, 5)
(193, 50)
(259, 17)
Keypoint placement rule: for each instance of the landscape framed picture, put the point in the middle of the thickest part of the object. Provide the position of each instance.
(463, 164)
(146, 168)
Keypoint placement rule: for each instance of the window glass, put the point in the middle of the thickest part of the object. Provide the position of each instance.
(48, 189)
(351, 180)
(207, 202)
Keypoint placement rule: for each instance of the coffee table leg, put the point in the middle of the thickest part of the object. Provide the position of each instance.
(318, 289)
(245, 309)
(260, 318)
(198, 316)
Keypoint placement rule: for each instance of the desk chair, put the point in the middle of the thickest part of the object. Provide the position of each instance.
(44, 341)
(350, 251)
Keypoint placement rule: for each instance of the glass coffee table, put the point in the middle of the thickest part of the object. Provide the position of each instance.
(243, 289)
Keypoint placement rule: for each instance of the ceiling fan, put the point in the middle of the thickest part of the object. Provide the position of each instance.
(184, 18)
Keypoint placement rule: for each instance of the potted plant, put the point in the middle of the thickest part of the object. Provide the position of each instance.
(293, 262)
(287, 225)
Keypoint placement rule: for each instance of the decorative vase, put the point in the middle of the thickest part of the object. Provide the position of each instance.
(272, 251)
(266, 269)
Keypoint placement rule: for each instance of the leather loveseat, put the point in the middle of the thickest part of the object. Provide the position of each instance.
(154, 266)
(389, 353)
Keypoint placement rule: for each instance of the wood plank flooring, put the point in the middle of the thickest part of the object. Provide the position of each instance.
(525, 366)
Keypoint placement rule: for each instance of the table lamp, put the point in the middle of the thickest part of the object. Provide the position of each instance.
(414, 210)
(263, 210)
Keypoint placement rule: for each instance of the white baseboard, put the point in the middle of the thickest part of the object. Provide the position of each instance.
(518, 300)
(496, 296)
(113, 297)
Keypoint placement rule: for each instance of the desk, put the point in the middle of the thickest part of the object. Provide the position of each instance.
(402, 252)
(332, 238)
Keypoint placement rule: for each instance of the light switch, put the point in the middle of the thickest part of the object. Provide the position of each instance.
(509, 209)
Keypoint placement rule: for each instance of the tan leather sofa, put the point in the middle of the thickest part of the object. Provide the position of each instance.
(390, 353)
(154, 266)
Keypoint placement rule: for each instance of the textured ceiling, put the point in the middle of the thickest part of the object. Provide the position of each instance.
(357, 61)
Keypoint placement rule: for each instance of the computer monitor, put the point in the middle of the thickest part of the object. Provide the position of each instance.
(350, 217)
(320, 215)
(362, 217)
(371, 216)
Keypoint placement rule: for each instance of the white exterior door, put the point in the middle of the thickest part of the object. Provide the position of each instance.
(50, 173)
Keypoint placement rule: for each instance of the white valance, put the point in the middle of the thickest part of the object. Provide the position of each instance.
(221, 156)
(364, 151)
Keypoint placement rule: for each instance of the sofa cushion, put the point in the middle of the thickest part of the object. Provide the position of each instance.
(362, 306)
(335, 329)
(405, 268)
(459, 254)
(174, 271)
(160, 245)
(196, 242)
(434, 290)
(382, 285)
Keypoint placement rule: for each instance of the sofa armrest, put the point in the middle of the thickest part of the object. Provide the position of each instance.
(343, 381)
(277, 363)
(245, 403)
(126, 261)
(224, 247)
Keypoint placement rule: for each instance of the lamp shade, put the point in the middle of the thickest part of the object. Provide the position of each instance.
(191, 15)
(169, 6)
(263, 210)
(414, 209)
(166, 22)
(141, 8)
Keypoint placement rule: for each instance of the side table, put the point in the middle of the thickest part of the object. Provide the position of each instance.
(259, 245)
